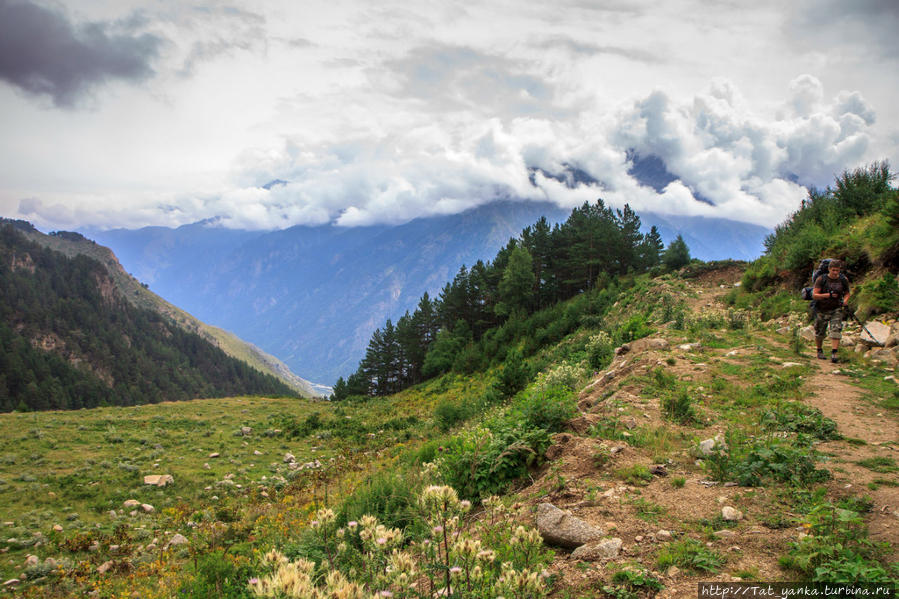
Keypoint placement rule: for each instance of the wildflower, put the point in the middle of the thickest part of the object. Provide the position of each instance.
(352, 524)
(437, 529)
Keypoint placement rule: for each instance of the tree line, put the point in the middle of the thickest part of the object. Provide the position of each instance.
(543, 266)
(65, 344)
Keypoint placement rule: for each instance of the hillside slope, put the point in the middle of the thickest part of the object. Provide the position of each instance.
(74, 244)
(71, 340)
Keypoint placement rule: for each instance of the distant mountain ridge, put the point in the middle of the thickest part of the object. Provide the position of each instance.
(74, 244)
(314, 295)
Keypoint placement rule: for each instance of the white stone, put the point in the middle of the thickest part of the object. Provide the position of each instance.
(663, 535)
(289, 458)
(257, 452)
(178, 539)
(148, 509)
(104, 567)
(32, 560)
(159, 480)
(731, 514)
(876, 333)
(214, 454)
(131, 503)
(11, 582)
(57, 528)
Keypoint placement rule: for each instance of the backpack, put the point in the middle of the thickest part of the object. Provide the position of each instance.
(822, 269)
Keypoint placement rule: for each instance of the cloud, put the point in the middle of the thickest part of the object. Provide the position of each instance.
(43, 53)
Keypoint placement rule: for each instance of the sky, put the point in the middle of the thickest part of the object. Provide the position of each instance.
(129, 113)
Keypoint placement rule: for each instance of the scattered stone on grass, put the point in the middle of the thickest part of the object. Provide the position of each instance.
(606, 549)
(131, 503)
(159, 480)
(731, 514)
(564, 530)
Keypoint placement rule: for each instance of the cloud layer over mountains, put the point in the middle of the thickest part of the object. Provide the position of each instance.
(168, 114)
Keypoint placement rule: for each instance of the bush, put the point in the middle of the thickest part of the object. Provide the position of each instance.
(449, 413)
(600, 350)
(389, 496)
(633, 328)
(546, 408)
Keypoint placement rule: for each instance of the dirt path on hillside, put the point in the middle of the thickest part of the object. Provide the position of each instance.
(648, 516)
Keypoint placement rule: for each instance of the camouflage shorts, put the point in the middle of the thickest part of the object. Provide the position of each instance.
(831, 318)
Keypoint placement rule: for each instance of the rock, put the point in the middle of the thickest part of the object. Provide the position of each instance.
(104, 567)
(176, 540)
(640, 345)
(658, 470)
(257, 452)
(884, 356)
(733, 352)
(50, 562)
(690, 346)
(783, 331)
(206, 466)
(246, 431)
(790, 364)
(215, 454)
(663, 535)
(57, 528)
(877, 333)
(606, 549)
(724, 534)
(710, 446)
(672, 571)
(289, 458)
(94, 547)
(564, 530)
(131, 503)
(32, 560)
(148, 509)
(159, 480)
(731, 514)
(807, 333)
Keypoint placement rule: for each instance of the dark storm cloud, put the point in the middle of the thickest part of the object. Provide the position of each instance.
(42, 52)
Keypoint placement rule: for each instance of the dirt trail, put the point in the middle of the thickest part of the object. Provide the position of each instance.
(644, 517)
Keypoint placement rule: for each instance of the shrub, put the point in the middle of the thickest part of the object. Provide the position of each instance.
(546, 408)
(633, 328)
(678, 407)
(390, 497)
(449, 413)
(600, 350)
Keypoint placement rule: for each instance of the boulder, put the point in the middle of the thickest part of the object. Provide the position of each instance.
(148, 509)
(731, 514)
(289, 458)
(246, 431)
(159, 480)
(885, 356)
(640, 345)
(606, 549)
(710, 446)
(807, 333)
(104, 567)
(176, 540)
(11, 583)
(877, 333)
(564, 530)
(131, 503)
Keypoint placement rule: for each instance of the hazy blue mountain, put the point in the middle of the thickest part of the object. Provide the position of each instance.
(313, 295)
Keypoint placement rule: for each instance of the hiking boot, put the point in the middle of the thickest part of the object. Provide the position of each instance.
(821, 355)
(834, 358)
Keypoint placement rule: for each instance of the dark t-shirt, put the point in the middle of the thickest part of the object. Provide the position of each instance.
(824, 284)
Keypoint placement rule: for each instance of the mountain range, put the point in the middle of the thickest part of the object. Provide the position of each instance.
(313, 295)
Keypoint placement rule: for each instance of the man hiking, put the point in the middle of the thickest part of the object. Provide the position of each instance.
(830, 292)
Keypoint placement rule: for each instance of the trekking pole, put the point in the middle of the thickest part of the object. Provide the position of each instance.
(862, 325)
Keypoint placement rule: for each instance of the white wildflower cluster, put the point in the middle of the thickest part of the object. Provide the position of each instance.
(563, 375)
(371, 560)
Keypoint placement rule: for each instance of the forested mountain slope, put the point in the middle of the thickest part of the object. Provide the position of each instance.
(74, 244)
(70, 339)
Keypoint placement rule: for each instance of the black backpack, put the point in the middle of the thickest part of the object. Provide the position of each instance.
(822, 269)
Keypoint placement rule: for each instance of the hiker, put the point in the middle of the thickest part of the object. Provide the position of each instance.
(830, 292)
